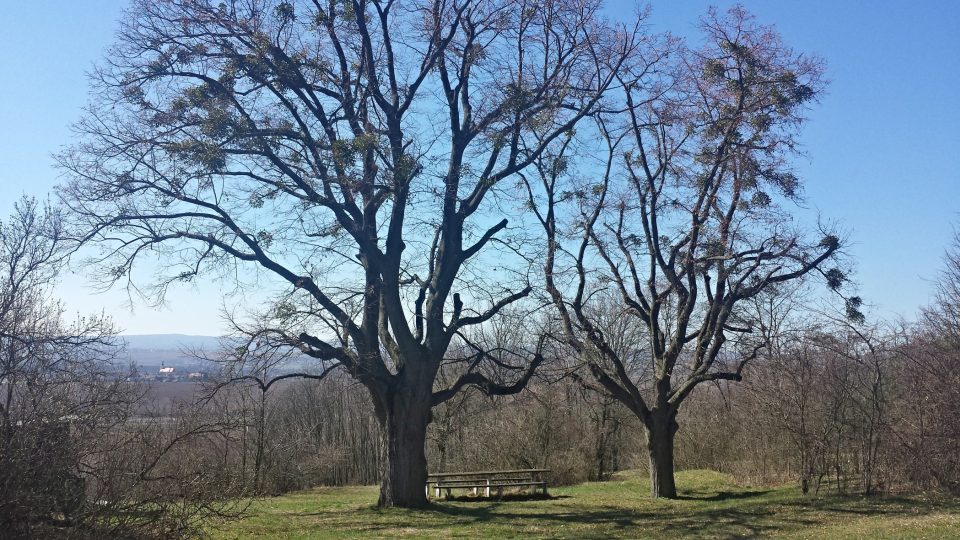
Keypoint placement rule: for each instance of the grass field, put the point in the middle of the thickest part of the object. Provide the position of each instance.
(710, 506)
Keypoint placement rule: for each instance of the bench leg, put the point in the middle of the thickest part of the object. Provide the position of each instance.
(436, 492)
(487, 490)
(448, 493)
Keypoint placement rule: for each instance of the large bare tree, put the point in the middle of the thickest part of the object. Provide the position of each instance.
(681, 216)
(356, 151)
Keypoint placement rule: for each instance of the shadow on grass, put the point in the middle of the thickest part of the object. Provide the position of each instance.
(722, 495)
(702, 513)
(877, 505)
(752, 517)
(716, 523)
(509, 497)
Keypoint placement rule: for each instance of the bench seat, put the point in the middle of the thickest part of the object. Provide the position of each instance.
(481, 481)
(487, 487)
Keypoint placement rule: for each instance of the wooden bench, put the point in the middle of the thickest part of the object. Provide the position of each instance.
(488, 481)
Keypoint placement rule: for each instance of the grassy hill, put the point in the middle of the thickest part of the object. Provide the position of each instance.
(711, 506)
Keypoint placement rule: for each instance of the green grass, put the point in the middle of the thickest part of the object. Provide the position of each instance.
(711, 506)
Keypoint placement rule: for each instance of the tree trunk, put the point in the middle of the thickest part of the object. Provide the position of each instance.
(601, 449)
(405, 476)
(660, 432)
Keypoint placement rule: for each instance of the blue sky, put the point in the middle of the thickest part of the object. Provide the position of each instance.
(883, 149)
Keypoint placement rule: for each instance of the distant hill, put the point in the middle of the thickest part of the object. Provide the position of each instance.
(178, 350)
(171, 342)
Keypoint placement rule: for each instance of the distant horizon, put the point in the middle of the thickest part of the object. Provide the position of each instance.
(170, 341)
(171, 334)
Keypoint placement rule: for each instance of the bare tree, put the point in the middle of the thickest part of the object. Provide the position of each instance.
(928, 401)
(77, 455)
(684, 219)
(52, 375)
(355, 152)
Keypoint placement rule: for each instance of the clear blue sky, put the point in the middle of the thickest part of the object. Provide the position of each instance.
(883, 146)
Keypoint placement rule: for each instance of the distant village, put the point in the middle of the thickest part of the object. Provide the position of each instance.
(175, 358)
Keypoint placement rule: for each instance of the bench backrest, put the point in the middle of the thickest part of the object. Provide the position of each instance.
(492, 475)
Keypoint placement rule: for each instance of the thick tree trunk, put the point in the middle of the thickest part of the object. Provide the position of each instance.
(660, 432)
(405, 476)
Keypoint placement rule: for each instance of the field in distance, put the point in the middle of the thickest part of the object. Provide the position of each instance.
(710, 506)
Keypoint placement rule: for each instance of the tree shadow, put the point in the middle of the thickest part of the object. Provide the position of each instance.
(509, 497)
(748, 519)
(877, 505)
(723, 495)
(715, 523)
(702, 514)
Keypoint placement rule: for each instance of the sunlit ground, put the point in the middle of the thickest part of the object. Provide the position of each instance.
(710, 506)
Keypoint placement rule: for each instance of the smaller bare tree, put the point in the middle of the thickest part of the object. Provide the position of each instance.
(684, 219)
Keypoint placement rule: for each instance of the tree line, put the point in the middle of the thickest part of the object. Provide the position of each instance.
(833, 405)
